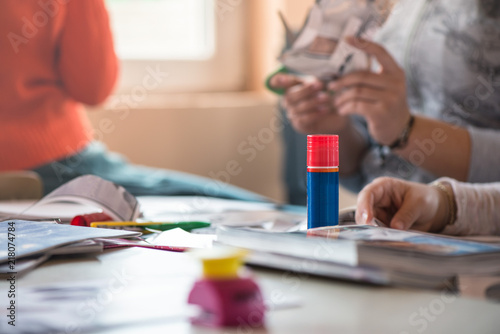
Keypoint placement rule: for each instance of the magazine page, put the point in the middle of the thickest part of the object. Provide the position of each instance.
(90, 191)
(333, 257)
(403, 241)
(25, 238)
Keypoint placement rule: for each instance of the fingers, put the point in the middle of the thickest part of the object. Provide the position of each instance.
(400, 203)
(408, 214)
(284, 81)
(315, 102)
(358, 106)
(365, 208)
(359, 93)
(379, 52)
(365, 78)
(298, 93)
(391, 75)
(319, 122)
(373, 199)
(307, 105)
(306, 123)
(363, 92)
(369, 103)
(306, 101)
(308, 111)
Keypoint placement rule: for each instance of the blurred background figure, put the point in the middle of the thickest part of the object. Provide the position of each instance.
(57, 57)
(419, 115)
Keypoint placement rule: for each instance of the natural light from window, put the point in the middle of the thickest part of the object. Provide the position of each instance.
(163, 29)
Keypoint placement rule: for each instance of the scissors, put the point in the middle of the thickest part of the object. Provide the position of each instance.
(348, 58)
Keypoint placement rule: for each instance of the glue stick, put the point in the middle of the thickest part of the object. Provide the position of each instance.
(322, 180)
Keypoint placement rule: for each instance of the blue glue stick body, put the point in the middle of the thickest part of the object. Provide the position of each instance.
(322, 180)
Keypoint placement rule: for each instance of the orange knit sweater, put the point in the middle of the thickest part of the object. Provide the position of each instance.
(54, 55)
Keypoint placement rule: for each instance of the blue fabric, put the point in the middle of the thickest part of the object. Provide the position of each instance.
(95, 159)
(294, 163)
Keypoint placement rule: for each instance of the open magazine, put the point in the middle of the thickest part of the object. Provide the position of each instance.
(82, 195)
(367, 253)
(26, 244)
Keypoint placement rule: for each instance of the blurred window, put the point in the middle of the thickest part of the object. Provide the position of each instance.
(190, 42)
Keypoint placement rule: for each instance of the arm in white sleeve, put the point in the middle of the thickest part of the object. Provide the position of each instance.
(478, 208)
(484, 159)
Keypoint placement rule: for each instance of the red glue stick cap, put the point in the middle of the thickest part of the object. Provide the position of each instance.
(85, 220)
(322, 151)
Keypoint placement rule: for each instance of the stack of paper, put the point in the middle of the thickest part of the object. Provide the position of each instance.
(25, 244)
(368, 253)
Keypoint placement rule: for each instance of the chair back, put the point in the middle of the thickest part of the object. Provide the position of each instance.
(18, 185)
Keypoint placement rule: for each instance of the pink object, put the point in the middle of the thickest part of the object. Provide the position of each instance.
(228, 302)
(322, 150)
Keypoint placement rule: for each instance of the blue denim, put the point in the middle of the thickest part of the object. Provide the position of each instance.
(95, 159)
(294, 163)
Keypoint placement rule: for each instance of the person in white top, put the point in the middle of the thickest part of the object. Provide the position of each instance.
(431, 109)
(445, 206)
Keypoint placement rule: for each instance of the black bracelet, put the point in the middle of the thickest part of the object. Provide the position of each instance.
(402, 141)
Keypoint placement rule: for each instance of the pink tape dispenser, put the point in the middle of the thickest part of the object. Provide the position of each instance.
(226, 298)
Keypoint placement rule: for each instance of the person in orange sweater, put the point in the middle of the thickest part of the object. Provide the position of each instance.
(57, 55)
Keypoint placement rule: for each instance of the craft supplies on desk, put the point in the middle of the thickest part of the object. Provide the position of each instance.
(29, 243)
(322, 180)
(157, 226)
(225, 296)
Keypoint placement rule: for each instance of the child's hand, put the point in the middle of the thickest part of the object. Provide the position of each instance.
(403, 205)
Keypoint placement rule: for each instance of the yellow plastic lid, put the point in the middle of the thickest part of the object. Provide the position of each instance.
(221, 262)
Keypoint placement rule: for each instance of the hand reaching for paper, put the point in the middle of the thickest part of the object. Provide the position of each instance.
(402, 205)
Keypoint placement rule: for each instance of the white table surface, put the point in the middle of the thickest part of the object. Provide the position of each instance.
(145, 291)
